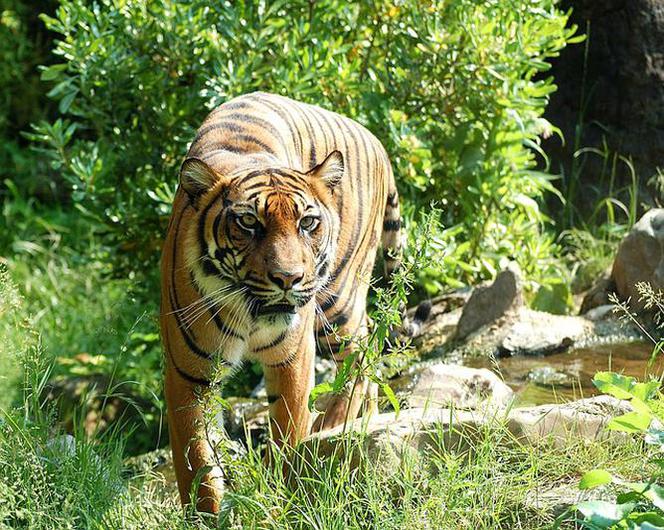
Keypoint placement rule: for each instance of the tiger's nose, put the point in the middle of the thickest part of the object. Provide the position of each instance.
(286, 279)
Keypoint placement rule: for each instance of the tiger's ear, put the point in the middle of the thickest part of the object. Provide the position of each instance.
(196, 177)
(330, 170)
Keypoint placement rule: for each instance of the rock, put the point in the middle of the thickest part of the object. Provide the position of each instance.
(437, 332)
(387, 437)
(598, 295)
(246, 418)
(639, 257)
(549, 376)
(521, 331)
(600, 313)
(538, 333)
(558, 498)
(489, 303)
(446, 385)
(582, 419)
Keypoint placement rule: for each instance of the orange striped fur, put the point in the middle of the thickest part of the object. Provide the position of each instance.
(273, 236)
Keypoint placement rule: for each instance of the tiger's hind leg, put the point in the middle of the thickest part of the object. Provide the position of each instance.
(359, 393)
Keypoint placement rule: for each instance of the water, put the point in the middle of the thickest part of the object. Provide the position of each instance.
(568, 376)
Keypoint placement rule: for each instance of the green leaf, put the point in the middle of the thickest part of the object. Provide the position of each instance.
(615, 385)
(317, 391)
(53, 72)
(655, 494)
(646, 391)
(632, 422)
(604, 514)
(595, 478)
(647, 525)
(392, 398)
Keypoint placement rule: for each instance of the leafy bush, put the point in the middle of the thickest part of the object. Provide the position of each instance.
(640, 504)
(451, 88)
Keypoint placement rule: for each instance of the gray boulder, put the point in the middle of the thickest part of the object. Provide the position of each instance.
(490, 303)
(448, 385)
(640, 256)
(387, 437)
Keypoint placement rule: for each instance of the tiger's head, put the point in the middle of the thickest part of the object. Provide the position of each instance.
(263, 238)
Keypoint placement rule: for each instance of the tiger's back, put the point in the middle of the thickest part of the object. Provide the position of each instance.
(246, 141)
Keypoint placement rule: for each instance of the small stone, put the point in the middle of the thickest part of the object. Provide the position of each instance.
(549, 376)
(582, 419)
(388, 437)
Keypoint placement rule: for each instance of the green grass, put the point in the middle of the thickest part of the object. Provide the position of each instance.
(47, 484)
(493, 488)
(60, 286)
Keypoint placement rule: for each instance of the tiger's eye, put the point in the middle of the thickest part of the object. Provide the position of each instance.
(247, 221)
(308, 223)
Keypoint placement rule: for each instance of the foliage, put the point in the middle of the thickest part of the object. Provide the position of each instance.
(640, 505)
(452, 89)
(95, 327)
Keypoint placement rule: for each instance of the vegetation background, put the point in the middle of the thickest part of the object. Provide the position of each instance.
(98, 102)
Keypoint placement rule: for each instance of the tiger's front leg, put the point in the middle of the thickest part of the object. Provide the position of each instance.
(190, 443)
(288, 383)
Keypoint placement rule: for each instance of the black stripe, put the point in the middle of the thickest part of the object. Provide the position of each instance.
(215, 228)
(215, 147)
(275, 342)
(220, 125)
(299, 180)
(183, 331)
(391, 225)
(253, 174)
(329, 302)
(340, 320)
(190, 378)
(272, 399)
(310, 132)
(210, 267)
(221, 326)
(289, 107)
(255, 186)
(279, 111)
(260, 143)
(255, 120)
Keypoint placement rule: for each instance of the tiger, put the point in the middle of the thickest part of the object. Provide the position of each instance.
(276, 223)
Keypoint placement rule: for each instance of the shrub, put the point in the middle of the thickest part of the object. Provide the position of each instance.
(451, 88)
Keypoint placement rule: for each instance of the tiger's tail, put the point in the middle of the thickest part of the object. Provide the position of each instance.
(391, 240)
(392, 252)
